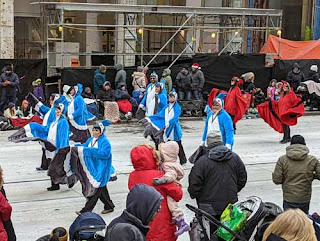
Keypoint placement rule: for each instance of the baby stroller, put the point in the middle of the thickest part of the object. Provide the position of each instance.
(261, 215)
(309, 90)
(87, 227)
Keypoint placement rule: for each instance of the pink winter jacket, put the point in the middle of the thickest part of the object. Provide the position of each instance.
(173, 170)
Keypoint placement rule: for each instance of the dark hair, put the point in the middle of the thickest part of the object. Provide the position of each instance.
(57, 233)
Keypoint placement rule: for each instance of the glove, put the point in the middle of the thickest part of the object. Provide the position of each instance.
(159, 181)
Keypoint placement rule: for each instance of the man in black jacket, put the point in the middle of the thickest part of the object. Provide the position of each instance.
(217, 177)
(183, 81)
(295, 76)
(9, 82)
(143, 204)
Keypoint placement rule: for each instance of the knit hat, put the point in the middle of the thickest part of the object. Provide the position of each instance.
(214, 139)
(25, 102)
(107, 83)
(185, 66)
(298, 139)
(38, 80)
(314, 68)
(169, 151)
(87, 89)
(196, 65)
(139, 69)
(61, 232)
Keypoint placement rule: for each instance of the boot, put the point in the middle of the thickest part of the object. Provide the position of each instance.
(182, 226)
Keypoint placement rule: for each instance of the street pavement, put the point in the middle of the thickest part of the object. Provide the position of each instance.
(36, 211)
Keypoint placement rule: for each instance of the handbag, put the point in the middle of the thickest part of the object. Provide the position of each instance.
(197, 154)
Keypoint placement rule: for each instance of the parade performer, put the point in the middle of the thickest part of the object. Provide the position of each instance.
(92, 164)
(147, 104)
(214, 93)
(167, 121)
(53, 136)
(77, 113)
(236, 103)
(282, 114)
(219, 121)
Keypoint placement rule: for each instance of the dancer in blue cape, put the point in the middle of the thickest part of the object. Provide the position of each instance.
(92, 164)
(77, 113)
(219, 121)
(165, 125)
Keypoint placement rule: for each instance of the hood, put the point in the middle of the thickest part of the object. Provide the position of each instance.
(66, 88)
(297, 152)
(78, 89)
(142, 158)
(169, 151)
(119, 67)
(120, 85)
(138, 74)
(220, 154)
(143, 202)
(296, 65)
(168, 72)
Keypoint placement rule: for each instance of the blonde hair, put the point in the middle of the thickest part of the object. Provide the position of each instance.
(156, 153)
(292, 225)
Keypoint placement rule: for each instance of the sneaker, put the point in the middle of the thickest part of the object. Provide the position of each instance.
(107, 211)
(53, 188)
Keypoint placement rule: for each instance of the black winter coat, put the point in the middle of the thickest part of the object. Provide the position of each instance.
(248, 87)
(197, 80)
(183, 81)
(313, 76)
(294, 79)
(106, 95)
(216, 178)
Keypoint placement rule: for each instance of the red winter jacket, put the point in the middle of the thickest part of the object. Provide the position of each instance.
(5, 213)
(144, 163)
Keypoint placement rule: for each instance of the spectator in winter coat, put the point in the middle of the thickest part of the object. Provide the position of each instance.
(121, 76)
(145, 161)
(295, 76)
(26, 110)
(139, 84)
(248, 85)
(313, 74)
(295, 171)
(142, 206)
(197, 81)
(99, 78)
(38, 90)
(216, 177)
(87, 93)
(123, 100)
(90, 101)
(166, 78)
(106, 94)
(183, 81)
(5, 214)
(9, 82)
(292, 225)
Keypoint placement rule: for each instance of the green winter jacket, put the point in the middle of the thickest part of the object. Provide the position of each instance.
(295, 171)
(167, 80)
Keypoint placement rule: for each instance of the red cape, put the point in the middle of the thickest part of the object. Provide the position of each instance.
(213, 94)
(285, 111)
(237, 103)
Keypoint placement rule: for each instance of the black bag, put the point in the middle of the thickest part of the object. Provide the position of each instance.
(197, 154)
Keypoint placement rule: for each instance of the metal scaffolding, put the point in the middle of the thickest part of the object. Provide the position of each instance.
(225, 24)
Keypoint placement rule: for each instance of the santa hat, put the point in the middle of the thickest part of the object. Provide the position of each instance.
(196, 65)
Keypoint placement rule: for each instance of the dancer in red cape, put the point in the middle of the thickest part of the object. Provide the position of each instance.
(213, 94)
(282, 114)
(236, 103)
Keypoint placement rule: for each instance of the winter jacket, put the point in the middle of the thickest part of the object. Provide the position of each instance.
(248, 87)
(106, 95)
(5, 213)
(121, 94)
(294, 79)
(121, 76)
(216, 178)
(98, 80)
(197, 80)
(314, 76)
(38, 92)
(295, 171)
(167, 80)
(183, 81)
(12, 88)
(88, 96)
(138, 81)
(145, 171)
(142, 203)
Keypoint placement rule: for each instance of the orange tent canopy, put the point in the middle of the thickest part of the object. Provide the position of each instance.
(292, 49)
